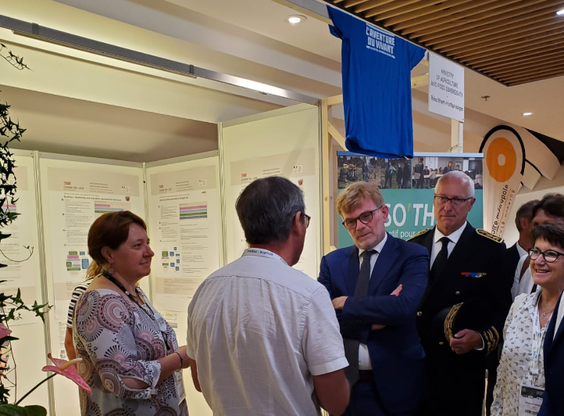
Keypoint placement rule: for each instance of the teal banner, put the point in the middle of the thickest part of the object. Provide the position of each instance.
(409, 196)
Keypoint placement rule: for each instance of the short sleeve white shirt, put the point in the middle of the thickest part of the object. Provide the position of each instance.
(259, 331)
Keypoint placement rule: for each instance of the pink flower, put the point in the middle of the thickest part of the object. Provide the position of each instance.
(4, 332)
(67, 369)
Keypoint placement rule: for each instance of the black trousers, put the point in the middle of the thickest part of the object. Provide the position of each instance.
(455, 384)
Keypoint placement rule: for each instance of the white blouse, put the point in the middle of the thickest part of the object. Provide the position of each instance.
(522, 355)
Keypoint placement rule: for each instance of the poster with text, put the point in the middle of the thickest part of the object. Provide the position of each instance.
(75, 194)
(283, 142)
(185, 229)
(298, 167)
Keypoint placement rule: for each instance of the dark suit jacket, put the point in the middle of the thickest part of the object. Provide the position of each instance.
(395, 351)
(474, 274)
(553, 402)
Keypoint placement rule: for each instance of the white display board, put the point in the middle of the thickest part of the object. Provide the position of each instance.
(446, 87)
(185, 227)
(283, 142)
(25, 275)
(185, 232)
(74, 193)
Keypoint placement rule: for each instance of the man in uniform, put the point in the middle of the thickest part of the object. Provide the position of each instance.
(376, 286)
(461, 317)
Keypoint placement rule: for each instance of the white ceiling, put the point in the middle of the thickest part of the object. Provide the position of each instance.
(77, 103)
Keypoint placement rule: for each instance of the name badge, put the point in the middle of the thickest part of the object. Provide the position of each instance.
(179, 384)
(530, 400)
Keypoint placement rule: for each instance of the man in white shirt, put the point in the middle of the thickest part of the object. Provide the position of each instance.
(262, 336)
(549, 210)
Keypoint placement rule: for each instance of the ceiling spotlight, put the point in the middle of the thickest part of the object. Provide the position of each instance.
(527, 114)
(295, 19)
(560, 12)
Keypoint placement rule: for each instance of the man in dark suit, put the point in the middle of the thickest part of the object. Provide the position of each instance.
(376, 286)
(399, 175)
(462, 314)
(419, 174)
(553, 400)
(524, 224)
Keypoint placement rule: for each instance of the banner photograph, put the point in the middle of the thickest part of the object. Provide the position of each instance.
(408, 187)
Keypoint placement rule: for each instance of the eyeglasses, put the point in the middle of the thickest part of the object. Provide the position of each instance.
(307, 219)
(455, 201)
(365, 218)
(550, 256)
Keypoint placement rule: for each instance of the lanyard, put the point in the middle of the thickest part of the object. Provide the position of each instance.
(261, 252)
(538, 338)
(116, 282)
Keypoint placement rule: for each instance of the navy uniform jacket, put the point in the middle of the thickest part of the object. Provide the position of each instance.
(553, 401)
(474, 274)
(395, 351)
(474, 271)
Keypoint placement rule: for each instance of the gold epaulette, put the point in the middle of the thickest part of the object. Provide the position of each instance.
(420, 233)
(489, 235)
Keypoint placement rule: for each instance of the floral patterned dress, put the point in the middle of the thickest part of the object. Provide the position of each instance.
(117, 338)
(517, 364)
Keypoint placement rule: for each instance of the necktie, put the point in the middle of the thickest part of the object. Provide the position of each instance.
(351, 345)
(441, 260)
(361, 288)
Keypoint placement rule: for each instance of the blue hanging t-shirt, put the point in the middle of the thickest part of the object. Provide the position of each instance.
(376, 69)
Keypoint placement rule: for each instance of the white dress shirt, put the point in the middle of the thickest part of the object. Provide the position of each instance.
(453, 240)
(522, 252)
(453, 237)
(364, 362)
(522, 284)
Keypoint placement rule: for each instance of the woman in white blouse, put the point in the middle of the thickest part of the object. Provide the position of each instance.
(520, 381)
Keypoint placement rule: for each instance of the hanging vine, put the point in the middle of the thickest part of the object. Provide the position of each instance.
(10, 130)
(11, 305)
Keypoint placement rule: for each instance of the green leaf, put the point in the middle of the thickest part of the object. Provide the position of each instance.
(35, 410)
(13, 410)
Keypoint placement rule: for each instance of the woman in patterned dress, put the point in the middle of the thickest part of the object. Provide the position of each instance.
(520, 381)
(131, 358)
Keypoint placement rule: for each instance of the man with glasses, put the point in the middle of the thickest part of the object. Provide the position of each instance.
(262, 337)
(376, 286)
(468, 296)
(549, 210)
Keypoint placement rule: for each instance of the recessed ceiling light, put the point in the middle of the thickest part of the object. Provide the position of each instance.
(560, 12)
(527, 114)
(295, 19)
